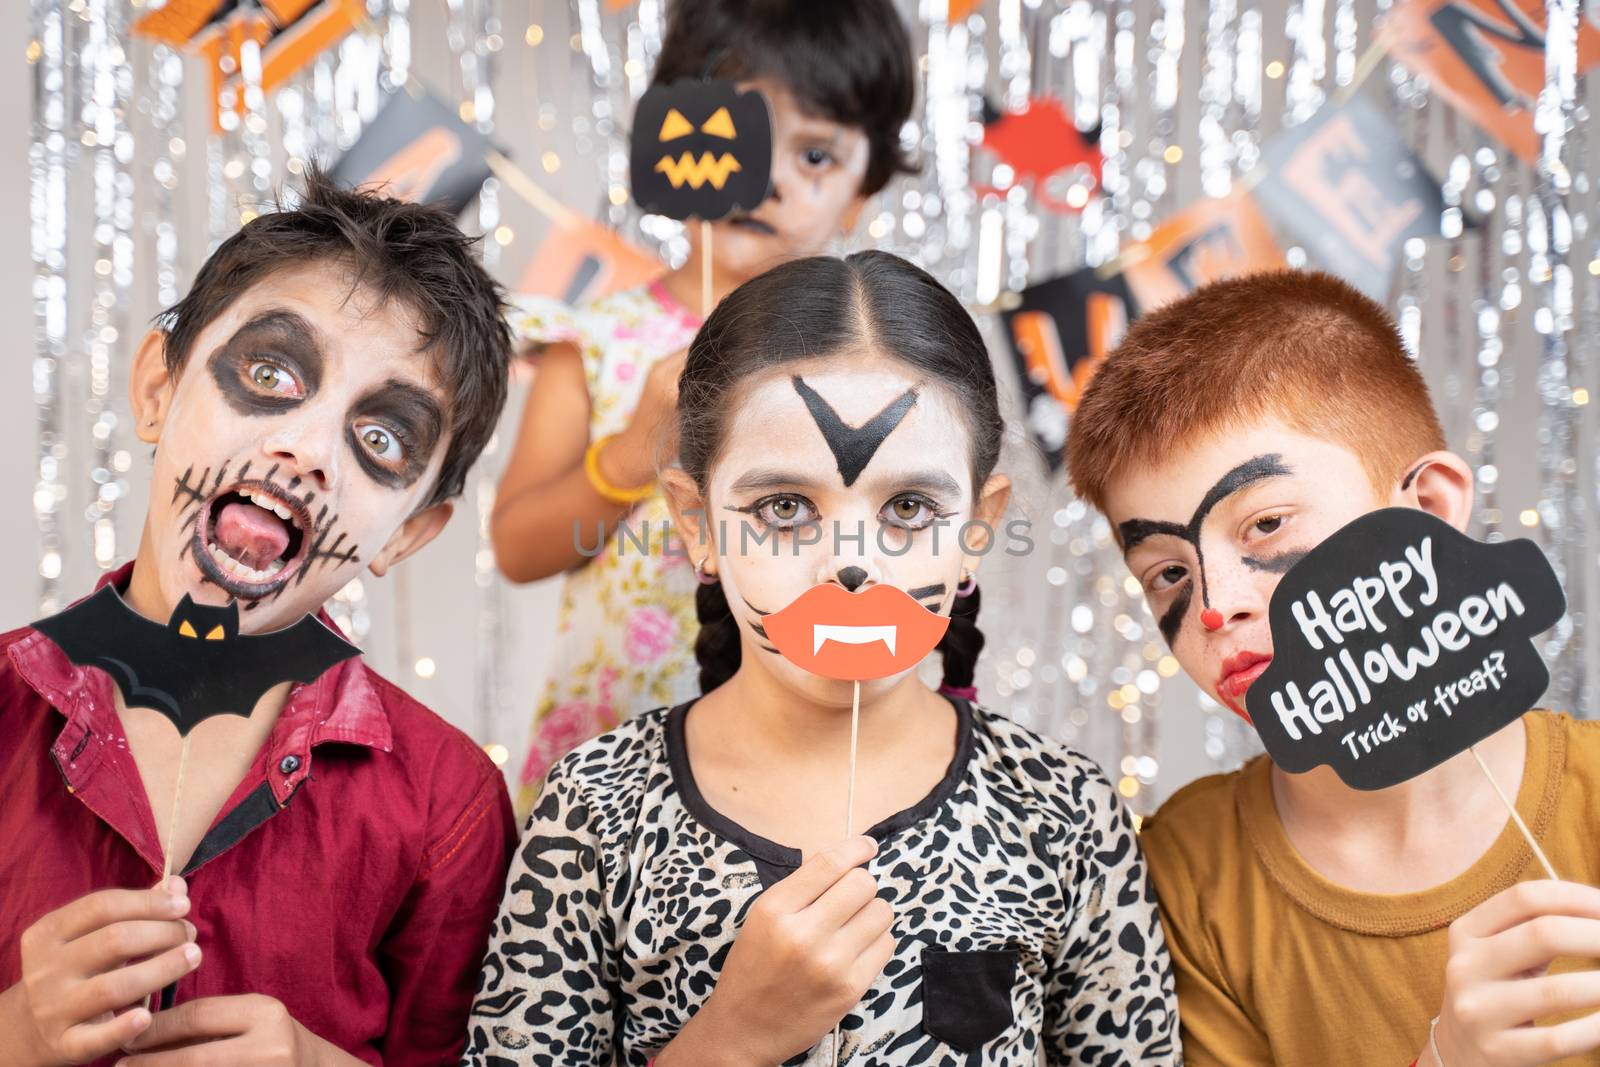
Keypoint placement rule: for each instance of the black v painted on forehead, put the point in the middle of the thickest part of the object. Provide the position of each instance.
(853, 446)
(1133, 531)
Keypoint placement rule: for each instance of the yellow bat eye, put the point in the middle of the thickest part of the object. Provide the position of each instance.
(675, 126)
(186, 630)
(720, 124)
(215, 634)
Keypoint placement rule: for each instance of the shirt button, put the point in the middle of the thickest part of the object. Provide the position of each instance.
(289, 764)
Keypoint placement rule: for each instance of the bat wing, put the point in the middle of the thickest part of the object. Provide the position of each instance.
(254, 663)
(90, 630)
(306, 649)
(134, 692)
(85, 628)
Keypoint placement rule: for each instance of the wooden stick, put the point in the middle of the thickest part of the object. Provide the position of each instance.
(705, 282)
(518, 180)
(1516, 817)
(172, 830)
(172, 819)
(855, 733)
(850, 805)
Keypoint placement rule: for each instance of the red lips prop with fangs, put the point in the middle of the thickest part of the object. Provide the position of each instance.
(855, 636)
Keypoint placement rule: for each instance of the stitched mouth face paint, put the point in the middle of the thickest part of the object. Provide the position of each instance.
(875, 633)
(1133, 531)
(254, 537)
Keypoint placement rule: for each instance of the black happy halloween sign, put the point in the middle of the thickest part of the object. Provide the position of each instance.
(700, 149)
(1398, 643)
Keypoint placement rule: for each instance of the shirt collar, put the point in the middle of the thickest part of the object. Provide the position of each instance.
(342, 705)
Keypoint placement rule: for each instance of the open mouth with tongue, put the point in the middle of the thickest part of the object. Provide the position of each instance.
(251, 539)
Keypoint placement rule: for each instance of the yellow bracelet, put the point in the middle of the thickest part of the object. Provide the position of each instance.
(615, 494)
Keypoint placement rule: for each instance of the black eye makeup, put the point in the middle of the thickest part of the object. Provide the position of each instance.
(913, 511)
(271, 363)
(780, 511)
(393, 431)
(1132, 532)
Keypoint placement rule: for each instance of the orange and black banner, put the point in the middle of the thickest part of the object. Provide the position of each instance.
(1211, 239)
(581, 260)
(1351, 191)
(418, 149)
(1059, 333)
(1485, 58)
(291, 33)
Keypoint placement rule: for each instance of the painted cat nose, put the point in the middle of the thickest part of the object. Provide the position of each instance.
(852, 577)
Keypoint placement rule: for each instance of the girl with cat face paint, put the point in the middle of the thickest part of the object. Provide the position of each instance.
(838, 433)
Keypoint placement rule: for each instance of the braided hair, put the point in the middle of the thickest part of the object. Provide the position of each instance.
(817, 307)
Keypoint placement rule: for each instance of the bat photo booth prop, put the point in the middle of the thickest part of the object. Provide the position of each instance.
(197, 665)
(1398, 643)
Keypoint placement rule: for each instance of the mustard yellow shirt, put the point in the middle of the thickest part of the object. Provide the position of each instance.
(1276, 964)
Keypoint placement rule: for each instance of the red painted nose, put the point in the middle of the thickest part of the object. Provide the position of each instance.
(1211, 618)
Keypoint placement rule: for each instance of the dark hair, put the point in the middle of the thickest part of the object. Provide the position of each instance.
(397, 250)
(846, 60)
(824, 306)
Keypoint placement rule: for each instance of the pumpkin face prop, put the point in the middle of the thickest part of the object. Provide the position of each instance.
(701, 149)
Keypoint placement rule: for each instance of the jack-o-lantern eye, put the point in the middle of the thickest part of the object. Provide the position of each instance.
(215, 634)
(720, 124)
(185, 629)
(675, 126)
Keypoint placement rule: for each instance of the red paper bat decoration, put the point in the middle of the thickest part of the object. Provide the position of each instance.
(1039, 142)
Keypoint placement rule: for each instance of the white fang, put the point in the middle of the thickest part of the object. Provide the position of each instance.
(851, 635)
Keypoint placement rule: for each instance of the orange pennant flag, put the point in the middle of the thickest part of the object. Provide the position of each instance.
(1486, 58)
(1207, 241)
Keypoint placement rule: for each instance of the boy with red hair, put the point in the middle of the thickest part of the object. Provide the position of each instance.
(1311, 923)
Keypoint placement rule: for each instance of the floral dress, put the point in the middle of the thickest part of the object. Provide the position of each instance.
(626, 624)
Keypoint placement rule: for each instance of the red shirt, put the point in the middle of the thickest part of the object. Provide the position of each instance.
(354, 874)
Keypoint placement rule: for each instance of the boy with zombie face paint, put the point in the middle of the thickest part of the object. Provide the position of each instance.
(839, 429)
(1310, 922)
(314, 402)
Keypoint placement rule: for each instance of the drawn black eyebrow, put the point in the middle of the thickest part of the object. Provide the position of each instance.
(853, 446)
(922, 592)
(768, 478)
(929, 481)
(1133, 531)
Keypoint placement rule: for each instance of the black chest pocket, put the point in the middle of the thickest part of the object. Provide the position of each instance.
(966, 996)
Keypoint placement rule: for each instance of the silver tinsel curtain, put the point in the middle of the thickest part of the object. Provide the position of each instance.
(144, 154)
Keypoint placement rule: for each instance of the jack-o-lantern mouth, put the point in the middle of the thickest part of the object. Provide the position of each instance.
(697, 172)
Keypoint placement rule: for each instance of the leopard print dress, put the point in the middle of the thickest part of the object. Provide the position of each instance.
(1026, 929)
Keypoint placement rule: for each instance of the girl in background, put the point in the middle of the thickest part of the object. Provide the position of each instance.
(839, 77)
(681, 892)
